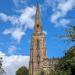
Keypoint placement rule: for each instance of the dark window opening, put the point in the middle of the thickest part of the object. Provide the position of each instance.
(38, 50)
(38, 45)
(37, 25)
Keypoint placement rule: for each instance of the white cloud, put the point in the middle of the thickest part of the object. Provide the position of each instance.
(27, 17)
(2, 54)
(19, 23)
(3, 17)
(66, 6)
(45, 32)
(16, 33)
(11, 49)
(18, 3)
(60, 10)
(64, 22)
(6, 32)
(12, 63)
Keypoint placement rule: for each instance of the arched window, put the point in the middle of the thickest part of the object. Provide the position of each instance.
(38, 45)
(38, 50)
(37, 27)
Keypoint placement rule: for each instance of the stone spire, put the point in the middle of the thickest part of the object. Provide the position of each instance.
(37, 26)
(38, 49)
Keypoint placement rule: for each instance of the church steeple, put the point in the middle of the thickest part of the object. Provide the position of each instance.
(38, 49)
(37, 26)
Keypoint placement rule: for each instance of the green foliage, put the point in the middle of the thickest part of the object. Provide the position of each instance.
(66, 65)
(22, 71)
(70, 33)
(2, 72)
(40, 73)
(51, 72)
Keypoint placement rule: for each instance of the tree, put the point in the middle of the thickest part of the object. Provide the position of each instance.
(40, 73)
(70, 33)
(66, 66)
(22, 71)
(2, 72)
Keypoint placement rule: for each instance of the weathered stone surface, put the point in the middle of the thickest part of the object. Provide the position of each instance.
(38, 60)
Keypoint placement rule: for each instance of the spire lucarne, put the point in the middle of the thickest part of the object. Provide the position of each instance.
(38, 50)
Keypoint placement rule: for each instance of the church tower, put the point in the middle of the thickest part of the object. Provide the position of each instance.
(38, 49)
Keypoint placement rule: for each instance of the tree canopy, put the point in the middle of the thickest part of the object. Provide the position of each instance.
(22, 71)
(66, 65)
(70, 33)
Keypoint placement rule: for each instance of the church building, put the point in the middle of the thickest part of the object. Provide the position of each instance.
(38, 58)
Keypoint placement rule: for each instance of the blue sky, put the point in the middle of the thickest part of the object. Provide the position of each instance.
(17, 22)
